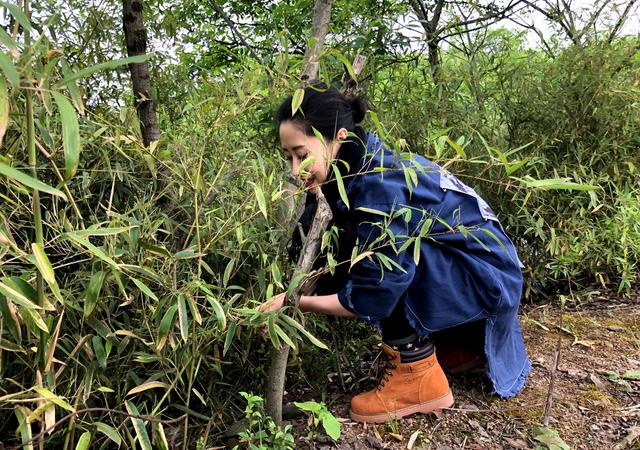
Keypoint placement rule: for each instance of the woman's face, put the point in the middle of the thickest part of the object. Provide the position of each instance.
(298, 147)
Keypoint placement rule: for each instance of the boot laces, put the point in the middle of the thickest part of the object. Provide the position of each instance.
(388, 369)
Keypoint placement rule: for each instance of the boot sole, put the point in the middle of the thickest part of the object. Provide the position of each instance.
(432, 406)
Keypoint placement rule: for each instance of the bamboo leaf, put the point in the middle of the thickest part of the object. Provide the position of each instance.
(18, 14)
(36, 318)
(160, 437)
(273, 335)
(7, 40)
(10, 318)
(70, 134)
(138, 425)
(346, 62)
(262, 202)
(558, 183)
(42, 263)
(193, 307)
(296, 101)
(457, 147)
(219, 312)
(372, 211)
(4, 108)
(144, 288)
(167, 321)
(25, 427)
(416, 250)
(284, 336)
(95, 251)
(360, 257)
(102, 66)
(93, 292)
(183, 319)
(110, 432)
(17, 293)
(340, 183)
(228, 340)
(28, 180)
(314, 340)
(60, 401)
(227, 272)
(9, 69)
(148, 385)
(84, 441)
(102, 231)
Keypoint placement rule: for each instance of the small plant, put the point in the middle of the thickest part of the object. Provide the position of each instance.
(261, 432)
(549, 438)
(319, 414)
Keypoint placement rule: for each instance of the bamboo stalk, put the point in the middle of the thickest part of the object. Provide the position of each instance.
(278, 370)
(37, 211)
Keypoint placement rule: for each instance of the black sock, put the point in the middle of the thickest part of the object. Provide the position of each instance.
(412, 348)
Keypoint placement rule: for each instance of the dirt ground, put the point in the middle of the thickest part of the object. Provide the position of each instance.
(596, 394)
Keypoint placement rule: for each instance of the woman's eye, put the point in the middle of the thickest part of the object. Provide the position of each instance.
(303, 157)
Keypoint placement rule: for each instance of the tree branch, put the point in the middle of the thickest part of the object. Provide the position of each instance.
(233, 28)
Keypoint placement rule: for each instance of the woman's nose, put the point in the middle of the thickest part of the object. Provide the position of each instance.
(295, 166)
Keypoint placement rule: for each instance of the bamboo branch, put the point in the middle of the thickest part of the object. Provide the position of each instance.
(278, 369)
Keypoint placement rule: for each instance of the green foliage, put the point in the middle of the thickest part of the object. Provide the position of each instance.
(549, 438)
(319, 414)
(261, 432)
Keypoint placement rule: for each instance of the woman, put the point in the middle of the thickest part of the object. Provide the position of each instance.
(439, 267)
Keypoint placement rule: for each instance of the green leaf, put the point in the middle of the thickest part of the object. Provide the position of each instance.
(95, 251)
(183, 318)
(167, 321)
(559, 184)
(550, 438)
(36, 318)
(138, 425)
(46, 393)
(283, 335)
(102, 66)
(262, 202)
(372, 211)
(70, 135)
(4, 108)
(314, 340)
(144, 288)
(228, 339)
(102, 231)
(632, 375)
(273, 335)
(43, 264)
(228, 270)
(110, 432)
(7, 40)
(296, 100)
(84, 441)
(346, 62)
(41, 261)
(340, 183)
(17, 293)
(93, 292)
(331, 425)
(28, 180)
(356, 258)
(457, 147)
(416, 250)
(219, 312)
(18, 14)
(310, 406)
(9, 69)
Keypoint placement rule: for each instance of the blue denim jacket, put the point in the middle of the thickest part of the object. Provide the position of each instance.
(463, 267)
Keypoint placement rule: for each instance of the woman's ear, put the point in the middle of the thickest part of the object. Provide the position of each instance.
(341, 135)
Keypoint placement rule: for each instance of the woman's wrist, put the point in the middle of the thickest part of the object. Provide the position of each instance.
(324, 304)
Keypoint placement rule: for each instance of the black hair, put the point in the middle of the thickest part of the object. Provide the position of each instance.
(324, 109)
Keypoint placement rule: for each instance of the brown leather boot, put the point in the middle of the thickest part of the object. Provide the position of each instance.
(405, 388)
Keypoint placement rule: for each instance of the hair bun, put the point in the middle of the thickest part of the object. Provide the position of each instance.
(358, 108)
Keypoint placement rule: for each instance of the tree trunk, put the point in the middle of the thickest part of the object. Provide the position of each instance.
(277, 373)
(319, 25)
(135, 37)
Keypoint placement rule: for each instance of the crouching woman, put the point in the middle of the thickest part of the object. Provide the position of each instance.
(440, 271)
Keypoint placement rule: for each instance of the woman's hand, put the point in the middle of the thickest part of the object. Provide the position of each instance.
(273, 304)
